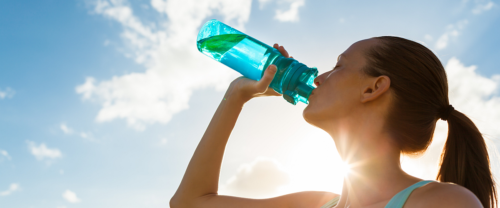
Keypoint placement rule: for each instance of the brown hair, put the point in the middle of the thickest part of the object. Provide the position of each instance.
(420, 86)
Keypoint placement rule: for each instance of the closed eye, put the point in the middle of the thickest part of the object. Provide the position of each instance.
(330, 73)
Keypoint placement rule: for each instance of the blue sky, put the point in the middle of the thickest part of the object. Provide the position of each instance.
(103, 102)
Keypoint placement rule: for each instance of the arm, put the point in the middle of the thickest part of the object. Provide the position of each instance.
(199, 186)
(202, 175)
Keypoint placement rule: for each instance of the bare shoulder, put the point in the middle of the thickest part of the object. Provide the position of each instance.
(309, 198)
(441, 195)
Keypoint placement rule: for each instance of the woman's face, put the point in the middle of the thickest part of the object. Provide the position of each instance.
(338, 91)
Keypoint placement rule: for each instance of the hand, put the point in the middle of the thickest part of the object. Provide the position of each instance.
(244, 89)
(282, 50)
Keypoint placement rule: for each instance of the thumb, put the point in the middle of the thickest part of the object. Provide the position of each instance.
(263, 83)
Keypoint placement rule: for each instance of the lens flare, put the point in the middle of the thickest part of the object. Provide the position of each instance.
(346, 169)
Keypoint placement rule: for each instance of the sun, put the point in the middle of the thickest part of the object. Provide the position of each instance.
(345, 168)
(315, 165)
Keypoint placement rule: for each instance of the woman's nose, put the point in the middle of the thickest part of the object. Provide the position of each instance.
(318, 80)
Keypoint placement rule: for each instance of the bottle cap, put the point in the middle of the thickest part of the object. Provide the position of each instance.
(299, 85)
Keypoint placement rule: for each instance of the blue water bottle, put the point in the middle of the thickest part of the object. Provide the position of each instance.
(251, 58)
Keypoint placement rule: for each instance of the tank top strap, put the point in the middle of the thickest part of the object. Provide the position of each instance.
(399, 200)
(331, 203)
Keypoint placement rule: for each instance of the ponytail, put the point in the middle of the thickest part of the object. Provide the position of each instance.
(465, 160)
(420, 86)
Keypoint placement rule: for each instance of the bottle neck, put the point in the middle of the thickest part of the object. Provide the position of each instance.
(297, 79)
(298, 83)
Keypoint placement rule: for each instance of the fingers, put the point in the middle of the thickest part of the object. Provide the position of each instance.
(282, 50)
(263, 84)
(273, 92)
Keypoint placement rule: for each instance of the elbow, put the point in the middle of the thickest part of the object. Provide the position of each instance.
(175, 202)
(180, 202)
(183, 202)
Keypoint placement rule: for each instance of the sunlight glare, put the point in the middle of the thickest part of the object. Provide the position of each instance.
(314, 163)
(346, 168)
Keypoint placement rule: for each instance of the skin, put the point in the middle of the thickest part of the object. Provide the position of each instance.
(352, 108)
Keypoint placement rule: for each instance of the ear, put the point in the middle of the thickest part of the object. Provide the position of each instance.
(375, 87)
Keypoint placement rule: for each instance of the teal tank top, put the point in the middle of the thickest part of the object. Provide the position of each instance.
(397, 201)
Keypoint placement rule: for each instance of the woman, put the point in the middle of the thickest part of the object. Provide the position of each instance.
(381, 100)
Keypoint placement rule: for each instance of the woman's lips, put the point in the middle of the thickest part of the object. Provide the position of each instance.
(312, 92)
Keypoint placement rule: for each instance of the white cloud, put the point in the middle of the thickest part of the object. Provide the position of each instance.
(87, 88)
(167, 49)
(164, 141)
(292, 14)
(88, 136)
(42, 152)
(480, 8)
(428, 37)
(442, 42)
(68, 130)
(12, 188)
(71, 197)
(261, 178)
(4, 154)
(65, 129)
(7, 93)
(263, 3)
(477, 97)
(452, 31)
(84, 135)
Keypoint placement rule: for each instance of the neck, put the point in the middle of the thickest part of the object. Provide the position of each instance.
(375, 175)
(371, 179)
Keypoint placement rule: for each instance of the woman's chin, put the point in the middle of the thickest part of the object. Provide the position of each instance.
(315, 116)
(307, 114)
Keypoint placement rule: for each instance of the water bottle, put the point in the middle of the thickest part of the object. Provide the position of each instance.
(251, 58)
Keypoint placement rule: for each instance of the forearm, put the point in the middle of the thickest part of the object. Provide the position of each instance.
(202, 174)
